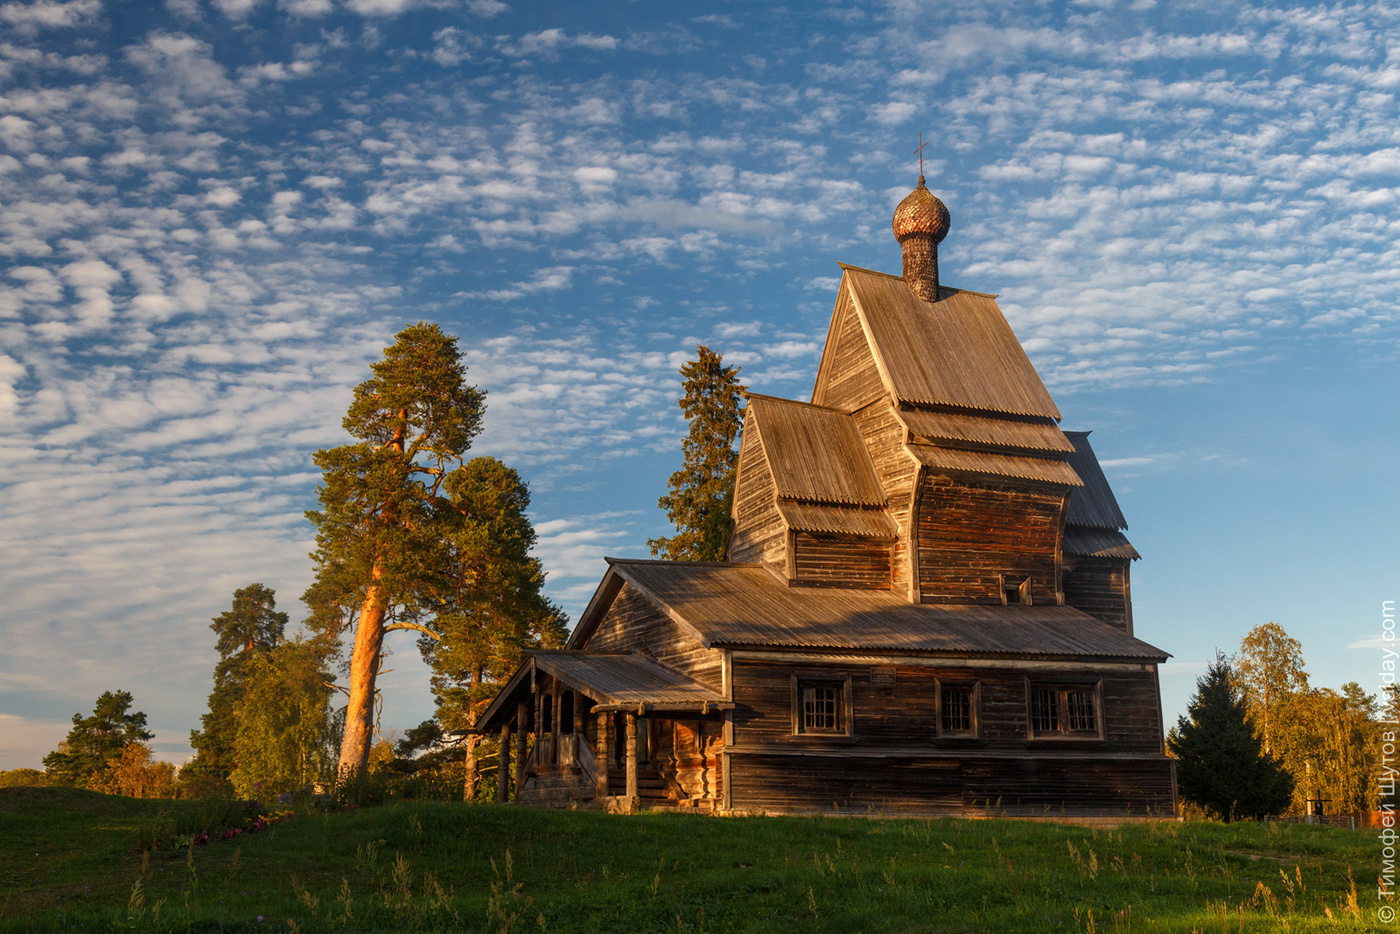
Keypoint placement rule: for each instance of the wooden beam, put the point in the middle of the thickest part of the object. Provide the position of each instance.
(604, 758)
(522, 722)
(631, 755)
(503, 766)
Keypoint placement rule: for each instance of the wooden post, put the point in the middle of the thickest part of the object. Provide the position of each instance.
(604, 756)
(503, 766)
(522, 722)
(631, 754)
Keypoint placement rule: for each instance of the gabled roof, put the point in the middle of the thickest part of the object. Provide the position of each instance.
(1093, 505)
(958, 351)
(816, 453)
(737, 605)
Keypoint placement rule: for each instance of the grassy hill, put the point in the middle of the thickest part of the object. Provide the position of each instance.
(72, 860)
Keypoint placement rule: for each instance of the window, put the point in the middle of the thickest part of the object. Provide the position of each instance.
(956, 710)
(1064, 710)
(821, 708)
(1015, 592)
(546, 714)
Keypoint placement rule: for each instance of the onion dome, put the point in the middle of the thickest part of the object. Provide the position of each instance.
(921, 213)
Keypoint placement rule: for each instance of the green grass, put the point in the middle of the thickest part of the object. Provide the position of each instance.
(70, 860)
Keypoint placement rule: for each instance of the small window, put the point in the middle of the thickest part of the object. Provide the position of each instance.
(821, 707)
(1064, 710)
(956, 713)
(1015, 592)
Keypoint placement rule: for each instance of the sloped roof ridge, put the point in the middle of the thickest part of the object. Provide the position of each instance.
(890, 275)
(696, 564)
(811, 405)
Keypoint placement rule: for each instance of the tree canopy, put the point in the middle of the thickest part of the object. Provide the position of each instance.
(412, 536)
(284, 738)
(1269, 671)
(250, 627)
(95, 739)
(701, 493)
(1220, 763)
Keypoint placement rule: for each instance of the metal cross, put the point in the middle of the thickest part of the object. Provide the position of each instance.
(920, 153)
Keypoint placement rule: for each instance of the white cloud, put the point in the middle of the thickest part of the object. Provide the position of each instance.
(50, 14)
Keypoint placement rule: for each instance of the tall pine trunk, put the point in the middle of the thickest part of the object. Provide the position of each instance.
(364, 668)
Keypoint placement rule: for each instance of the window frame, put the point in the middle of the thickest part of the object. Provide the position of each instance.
(1062, 689)
(974, 689)
(844, 719)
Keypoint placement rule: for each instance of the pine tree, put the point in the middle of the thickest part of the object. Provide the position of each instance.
(250, 627)
(702, 492)
(1220, 764)
(83, 756)
(493, 607)
(380, 536)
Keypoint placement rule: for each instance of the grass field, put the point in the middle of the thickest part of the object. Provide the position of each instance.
(72, 860)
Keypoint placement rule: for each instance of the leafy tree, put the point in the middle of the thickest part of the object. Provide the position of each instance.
(285, 739)
(252, 625)
(701, 493)
(135, 773)
(380, 539)
(1269, 671)
(22, 778)
(1220, 765)
(95, 739)
(490, 607)
(1331, 745)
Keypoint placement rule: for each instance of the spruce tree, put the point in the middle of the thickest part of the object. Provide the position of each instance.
(702, 492)
(1220, 763)
(250, 627)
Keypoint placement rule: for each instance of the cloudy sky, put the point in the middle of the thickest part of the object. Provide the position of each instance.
(215, 213)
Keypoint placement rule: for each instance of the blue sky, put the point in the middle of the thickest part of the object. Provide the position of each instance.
(215, 213)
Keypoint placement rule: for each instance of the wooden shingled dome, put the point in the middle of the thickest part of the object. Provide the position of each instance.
(921, 212)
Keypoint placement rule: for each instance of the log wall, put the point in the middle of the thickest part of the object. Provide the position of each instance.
(634, 624)
(884, 436)
(971, 531)
(841, 561)
(1100, 587)
(894, 760)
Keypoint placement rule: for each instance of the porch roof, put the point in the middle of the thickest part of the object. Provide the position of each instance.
(614, 680)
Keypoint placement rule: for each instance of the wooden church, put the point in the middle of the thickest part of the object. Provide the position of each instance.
(926, 607)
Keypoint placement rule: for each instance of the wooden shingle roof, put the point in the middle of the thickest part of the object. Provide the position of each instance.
(1093, 505)
(957, 352)
(816, 454)
(1098, 543)
(746, 606)
(957, 427)
(997, 465)
(838, 520)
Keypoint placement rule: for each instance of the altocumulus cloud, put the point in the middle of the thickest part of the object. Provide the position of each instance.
(215, 219)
